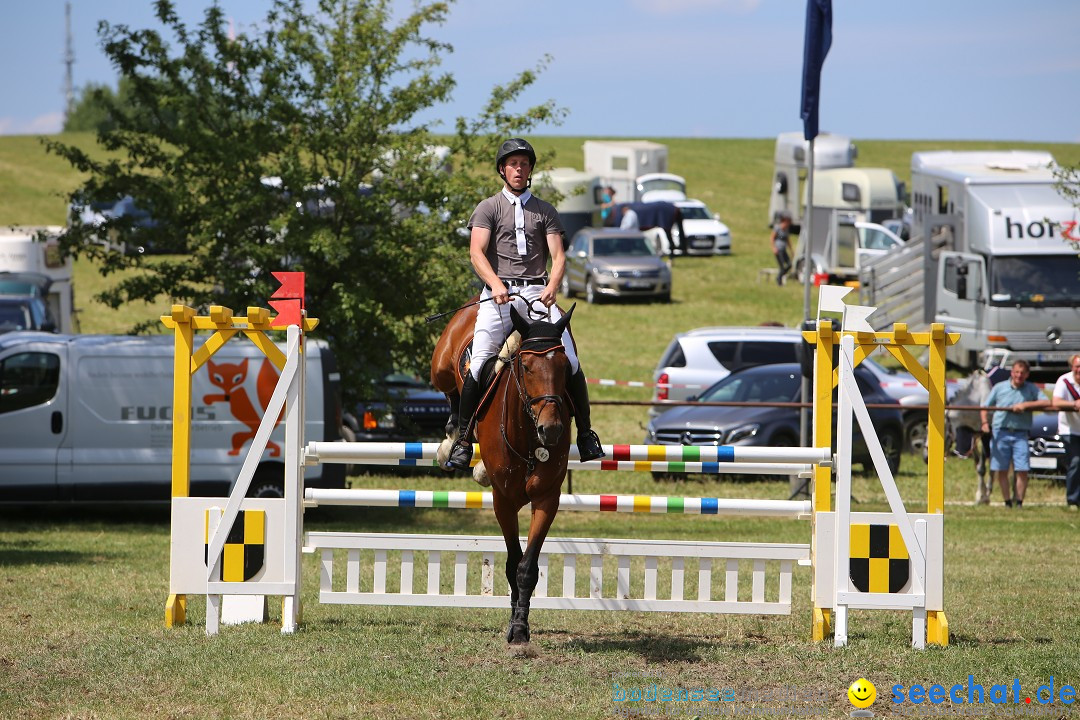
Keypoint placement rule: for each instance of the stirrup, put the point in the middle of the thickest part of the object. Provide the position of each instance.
(460, 456)
(589, 447)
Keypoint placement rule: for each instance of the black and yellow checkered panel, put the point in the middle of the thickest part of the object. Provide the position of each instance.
(245, 546)
(879, 559)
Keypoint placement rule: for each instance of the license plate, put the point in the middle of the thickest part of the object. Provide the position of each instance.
(701, 243)
(1043, 463)
(638, 284)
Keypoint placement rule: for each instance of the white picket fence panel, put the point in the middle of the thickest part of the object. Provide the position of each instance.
(726, 561)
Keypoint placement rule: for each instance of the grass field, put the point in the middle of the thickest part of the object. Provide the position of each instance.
(82, 590)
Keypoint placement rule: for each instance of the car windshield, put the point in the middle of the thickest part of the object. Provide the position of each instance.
(661, 184)
(14, 317)
(874, 239)
(878, 367)
(695, 212)
(632, 245)
(1040, 280)
(755, 387)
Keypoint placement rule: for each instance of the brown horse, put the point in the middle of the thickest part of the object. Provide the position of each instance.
(522, 427)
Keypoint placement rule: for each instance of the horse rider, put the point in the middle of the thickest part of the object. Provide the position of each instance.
(514, 235)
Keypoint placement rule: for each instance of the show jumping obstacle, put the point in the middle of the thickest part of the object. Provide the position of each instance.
(888, 560)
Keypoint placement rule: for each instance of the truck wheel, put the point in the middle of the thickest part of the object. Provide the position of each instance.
(268, 483)
(347, 435)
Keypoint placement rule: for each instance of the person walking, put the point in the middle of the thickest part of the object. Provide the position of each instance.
(1066, 401)
(1011, 427)
(780, 242)
(514, 236)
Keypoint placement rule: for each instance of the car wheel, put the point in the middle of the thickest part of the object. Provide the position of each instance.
(565, 287)
(665, 298)
(591, 295)
(915, 431)
(891, 445)
(781, 439)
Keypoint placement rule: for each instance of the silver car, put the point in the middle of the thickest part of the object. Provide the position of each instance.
(605, 263)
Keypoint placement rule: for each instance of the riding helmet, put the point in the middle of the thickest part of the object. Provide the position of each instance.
(514, 146)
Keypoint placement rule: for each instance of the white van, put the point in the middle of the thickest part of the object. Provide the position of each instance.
(89, 418)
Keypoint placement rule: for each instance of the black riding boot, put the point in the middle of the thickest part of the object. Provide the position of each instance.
(461, 453)
(587, 441)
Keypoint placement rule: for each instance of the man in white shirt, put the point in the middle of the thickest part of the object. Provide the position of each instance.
(1067, 403)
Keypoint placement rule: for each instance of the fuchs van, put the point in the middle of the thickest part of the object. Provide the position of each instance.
(89, 418)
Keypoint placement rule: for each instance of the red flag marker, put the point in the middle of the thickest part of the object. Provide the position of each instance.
(292, 286)
(288, 312)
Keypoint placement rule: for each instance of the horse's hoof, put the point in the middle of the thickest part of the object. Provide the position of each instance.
(479, 474)
(443, 453)
(522, 650)
(517, 633)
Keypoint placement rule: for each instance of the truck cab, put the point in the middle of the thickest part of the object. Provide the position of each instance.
(994, 255)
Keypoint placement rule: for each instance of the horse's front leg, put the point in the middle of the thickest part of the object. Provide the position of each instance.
(507, 515)
(447, 443)
(528, 569)
(452, 423)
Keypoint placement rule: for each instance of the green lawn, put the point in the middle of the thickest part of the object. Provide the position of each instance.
(82, 590)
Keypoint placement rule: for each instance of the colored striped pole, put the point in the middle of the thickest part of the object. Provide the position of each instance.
(586, 503)
(345, 452)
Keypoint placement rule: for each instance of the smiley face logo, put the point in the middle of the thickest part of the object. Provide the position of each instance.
(862, 693)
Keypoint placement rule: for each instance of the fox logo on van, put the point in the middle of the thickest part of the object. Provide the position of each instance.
(230, 379)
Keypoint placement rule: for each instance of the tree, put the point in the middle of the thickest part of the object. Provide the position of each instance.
(296, 147)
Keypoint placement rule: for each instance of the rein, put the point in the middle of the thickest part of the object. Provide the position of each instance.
(538, 452)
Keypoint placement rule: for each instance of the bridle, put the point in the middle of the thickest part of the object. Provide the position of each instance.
(536, 346)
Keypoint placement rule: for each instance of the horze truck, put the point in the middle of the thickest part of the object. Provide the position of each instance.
(89, 418)
(994, 254)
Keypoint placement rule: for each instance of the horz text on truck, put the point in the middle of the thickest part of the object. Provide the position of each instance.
(994, 255)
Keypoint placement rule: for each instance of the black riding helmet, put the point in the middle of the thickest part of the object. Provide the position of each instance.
(514, 146)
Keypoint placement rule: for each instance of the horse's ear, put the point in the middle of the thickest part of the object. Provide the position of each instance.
(565, 319)
(520, 323)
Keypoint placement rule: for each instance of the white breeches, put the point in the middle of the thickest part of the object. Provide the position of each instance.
(493, 324)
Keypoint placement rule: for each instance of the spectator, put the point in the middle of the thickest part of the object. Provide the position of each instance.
(629, 219)
(607, 207)
(1067, 402)
(780, 243)
(1011, 426)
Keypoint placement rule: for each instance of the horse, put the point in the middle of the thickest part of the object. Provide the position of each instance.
(964, 430)
(523, 428)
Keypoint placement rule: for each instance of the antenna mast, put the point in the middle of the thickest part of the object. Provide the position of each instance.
(69, 62)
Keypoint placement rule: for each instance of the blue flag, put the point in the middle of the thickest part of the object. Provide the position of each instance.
(816, 47)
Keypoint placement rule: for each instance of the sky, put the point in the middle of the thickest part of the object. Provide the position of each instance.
(914, 69)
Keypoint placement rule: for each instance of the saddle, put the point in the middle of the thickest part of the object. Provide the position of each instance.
(493, 366)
